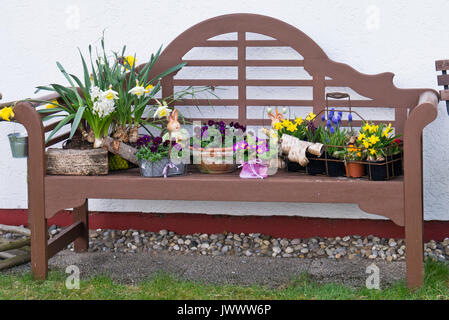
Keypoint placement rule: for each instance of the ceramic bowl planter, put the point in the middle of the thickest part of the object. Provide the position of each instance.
(18, 144)
(213, 161)
(354, 169)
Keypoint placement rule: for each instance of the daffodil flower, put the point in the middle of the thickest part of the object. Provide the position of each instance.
(129, 61)
(310, 116)
(372, 151)
(373, 139)
(162, 111)
(51, 105)
(138, 90)
(299, 121)
(110, 94)
(366, 127)
(361, 136)
(278, 125)
(7, 113)
(366, 144)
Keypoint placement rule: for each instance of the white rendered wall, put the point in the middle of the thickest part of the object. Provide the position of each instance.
(399, 36)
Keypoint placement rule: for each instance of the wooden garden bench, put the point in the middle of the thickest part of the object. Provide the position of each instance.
(399, 199)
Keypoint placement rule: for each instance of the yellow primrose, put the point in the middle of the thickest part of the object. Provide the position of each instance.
(298, 121)
(310, 116)
(7, 113)
(51, 105)
(359, 154)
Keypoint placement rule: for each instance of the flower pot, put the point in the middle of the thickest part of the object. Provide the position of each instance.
(177, 169)
(153, 169)
(18, 144)
(294, 166)
(355, 169)
(217, 161)
(316, 165)
(335, 167)
(395, 166)
(378, 170)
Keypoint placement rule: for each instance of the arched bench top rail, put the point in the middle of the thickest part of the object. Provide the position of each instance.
(378, 87)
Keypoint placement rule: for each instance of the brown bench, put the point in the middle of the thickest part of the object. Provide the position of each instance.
(399, 199)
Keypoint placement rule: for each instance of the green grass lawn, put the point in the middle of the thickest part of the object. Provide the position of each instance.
(163, 286)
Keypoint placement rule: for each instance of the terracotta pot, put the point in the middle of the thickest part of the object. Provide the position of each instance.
(355, 169)
(213, 160)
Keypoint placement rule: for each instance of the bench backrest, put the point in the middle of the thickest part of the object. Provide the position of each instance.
(322, 75)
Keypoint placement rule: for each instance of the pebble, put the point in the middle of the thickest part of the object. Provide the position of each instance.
(253, 244)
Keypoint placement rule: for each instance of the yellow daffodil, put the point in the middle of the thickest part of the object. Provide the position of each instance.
(372, 151)
(162, 111)
(299, 121)
(366, 127)
(387, 131)
(292, 127)
(373, 128)
(361, 136)
(373, 139)
(287, 123)
(138, 90)
(51, 105)
(110, 94)
(129, 62)
(310, 116)
(366, 144)
(278, 125)
(148, 88)
(7, 113)
(359, 154)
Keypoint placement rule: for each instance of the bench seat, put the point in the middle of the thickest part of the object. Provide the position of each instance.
(281, 187)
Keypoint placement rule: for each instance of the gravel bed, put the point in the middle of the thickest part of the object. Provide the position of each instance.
(252, 244)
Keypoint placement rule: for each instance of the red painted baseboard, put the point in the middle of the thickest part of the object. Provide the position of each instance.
(276, 226)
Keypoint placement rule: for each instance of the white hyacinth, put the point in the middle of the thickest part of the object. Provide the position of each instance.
(103, 101)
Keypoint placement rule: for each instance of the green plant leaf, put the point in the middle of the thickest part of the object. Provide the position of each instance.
(76, 121)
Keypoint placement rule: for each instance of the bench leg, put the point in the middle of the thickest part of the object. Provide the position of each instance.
(81, 214)
(39, 250)
(415, 249)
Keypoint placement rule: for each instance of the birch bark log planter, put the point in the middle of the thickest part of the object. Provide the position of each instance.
(76, 162)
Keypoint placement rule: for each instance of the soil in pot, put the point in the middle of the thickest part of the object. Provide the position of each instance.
(335, 167)
(355, 169)
(316, 164)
